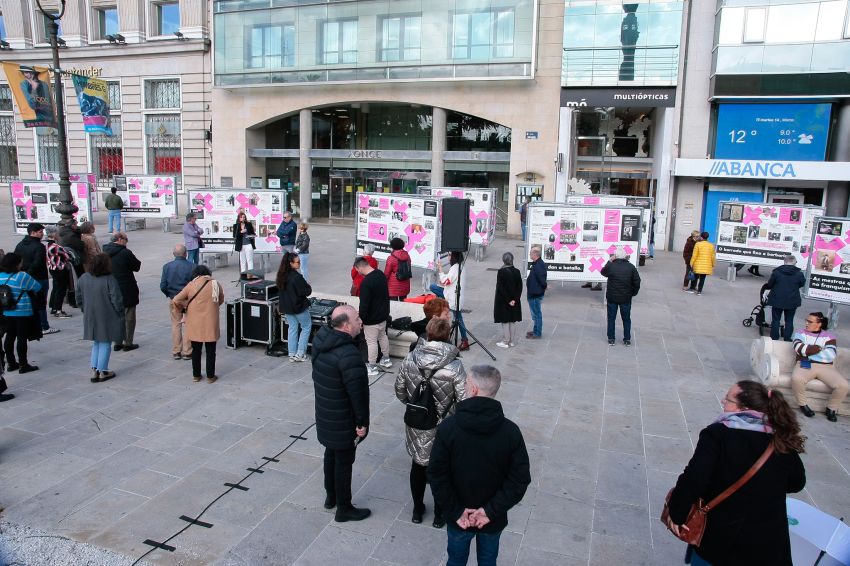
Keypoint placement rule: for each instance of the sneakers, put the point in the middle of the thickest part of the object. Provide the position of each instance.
(350, 513)
(177, 356)
(106, 375)
(830, 415)
(298, 358)
(372, 370)
(197, 378)
(611, 342)
(691, 291)
(386, 362)
(699, 293)
(503, 344)
(627, 342)
(806, 410)
(212, 378)
(50, 331)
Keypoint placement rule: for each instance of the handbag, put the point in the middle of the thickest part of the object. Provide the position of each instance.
(698, 514)
(201, 244)
(198, 292)
(691, 275)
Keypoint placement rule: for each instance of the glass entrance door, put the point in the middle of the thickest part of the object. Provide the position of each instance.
(341, 197)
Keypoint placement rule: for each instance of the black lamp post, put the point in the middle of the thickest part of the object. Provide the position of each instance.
(66, 206)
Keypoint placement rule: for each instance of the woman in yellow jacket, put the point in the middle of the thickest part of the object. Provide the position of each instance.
(702, 263)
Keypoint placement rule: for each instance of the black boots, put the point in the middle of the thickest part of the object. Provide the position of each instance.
(806, 410)
(330, 501)
(349, 512)
(830, 415)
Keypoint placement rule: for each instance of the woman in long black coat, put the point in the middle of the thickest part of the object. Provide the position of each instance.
(507, 308)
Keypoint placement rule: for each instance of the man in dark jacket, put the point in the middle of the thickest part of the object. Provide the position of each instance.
(176, 274)
(785, 283)
(478, 469)
(124, 264)
(286, 233)
(623, 284)
(687, 254)
(536, 287)
(342, 406)
(34, 261)
(374, 311)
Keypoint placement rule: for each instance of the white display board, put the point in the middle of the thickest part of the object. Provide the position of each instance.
(147, 196)
(36, 201)
(482, 210)
(89, 178)
(413, 218)
(216, 211)
(646, 203)
(763, 234)
(828, 264)
(577, 241)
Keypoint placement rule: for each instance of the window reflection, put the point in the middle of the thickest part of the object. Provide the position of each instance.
(615, 132)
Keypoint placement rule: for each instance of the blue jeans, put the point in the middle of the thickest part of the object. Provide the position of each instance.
(522, 224)
(294, 321)
(100, 355)
(535, 305)
(437, 290)
(651, 249)
(305, 261)
(775, 314)
(625, 314)
(458, 316)
(192, 255)
(115, 219)
(486, 546)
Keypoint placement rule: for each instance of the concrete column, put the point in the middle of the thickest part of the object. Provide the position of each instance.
(131, 20)
(838, 192)
(74, 24)
(193, 18)
(438, 146)
(305, 168)
(17, 17)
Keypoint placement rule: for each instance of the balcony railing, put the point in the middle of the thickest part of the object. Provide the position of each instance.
(622, 65)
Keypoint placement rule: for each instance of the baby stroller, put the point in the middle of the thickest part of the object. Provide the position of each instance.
(759, 315)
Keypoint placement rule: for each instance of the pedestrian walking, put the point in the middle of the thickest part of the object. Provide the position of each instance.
(507, 306)
(374, 312)
(59, 267)
(816, 350)
(192, 238)
(201, 302)
(243, 243)
(751, 525)
(478, 469)
(294, 302)
(99, 297)
(785, 283)
(21, 323)
(397, 270)
(535, 290)
(34, 257)
(623, 284)
(356, 277)
(302, 248)
(286, 232)
(342, 407)
(434, 364)
(90, 243)
(702, 263)
(114, 205)
(124, 265)
(687, 254)
(447, 289)
(176, 274)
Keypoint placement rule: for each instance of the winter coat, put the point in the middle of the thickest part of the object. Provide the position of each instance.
(785, 283)
(302, 243)
(703, 258)
(374, 299)
(103, 310)
(688, 250)
(71, 237)
(23, 286)
(751, 526)
(536, 282)
(34, 256)
(124, 264)
(341, 388)
(396, 288)
(202, 324)
(448, 384)
(508, 288)
(357, 279)
(92, 248)
(623, 281)
(240, 239)
(479, 459)
(293, 296)
(286, 233)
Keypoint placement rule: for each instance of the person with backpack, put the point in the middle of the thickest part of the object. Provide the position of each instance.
(59, 266)
(398, 271)
(431, 377)
(21, 323)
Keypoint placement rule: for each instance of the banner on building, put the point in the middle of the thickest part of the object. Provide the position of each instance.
(36, 201)
(147, 196)
(217, 209)
(645, 203)
(764, 233)
(30, 87)
(93, 96)
(89, 178)
(482, 210)
(828, 267)
(577, 241)
(413, 218)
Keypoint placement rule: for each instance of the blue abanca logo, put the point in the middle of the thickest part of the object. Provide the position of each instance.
(755, 169)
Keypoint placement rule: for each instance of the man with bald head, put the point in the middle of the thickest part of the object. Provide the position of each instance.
(342, 406)
(176, 274)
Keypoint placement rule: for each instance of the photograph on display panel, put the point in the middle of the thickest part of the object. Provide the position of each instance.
(415, 219)
(828, 267)
(763, 234)
(645, 203)
(482, 210)
(36, 201)
(577, 241)
(147, 196)
(89, 178)
(217, 209)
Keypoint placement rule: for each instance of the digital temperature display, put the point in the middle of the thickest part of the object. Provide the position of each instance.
(783, 132)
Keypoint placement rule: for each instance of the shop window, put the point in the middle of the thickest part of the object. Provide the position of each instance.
(162, 93)
(8, 143)
(167, 18)
(470, 133)
(623, 132)
(271, 47)
(338, 43)
(401, 38)
(106, 21)
(47, 142)
(163, 143)
(482, 35)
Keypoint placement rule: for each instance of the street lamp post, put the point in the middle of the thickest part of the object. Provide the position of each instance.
(66, 207)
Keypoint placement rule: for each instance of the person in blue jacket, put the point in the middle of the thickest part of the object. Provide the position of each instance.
(286, 232)
(785, 283)
(21, 324)
(536, 288)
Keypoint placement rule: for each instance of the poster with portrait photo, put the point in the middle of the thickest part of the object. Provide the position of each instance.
(148, 196)
(31, 203)
(482, 210)
(217, 209)
(409, 217)
(646, 204)
(828, 267)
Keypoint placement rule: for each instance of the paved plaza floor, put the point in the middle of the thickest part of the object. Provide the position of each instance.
(608, 429)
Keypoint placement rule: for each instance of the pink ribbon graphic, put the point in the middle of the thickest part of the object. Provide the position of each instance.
(413, 239)
(362, 201)
(245, 202)
(166, 185)
(556, 228)
(401, 207)
(596, 263)
(752, 214)
(835, 244)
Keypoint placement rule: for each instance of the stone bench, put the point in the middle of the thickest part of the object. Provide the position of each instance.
(774, 360)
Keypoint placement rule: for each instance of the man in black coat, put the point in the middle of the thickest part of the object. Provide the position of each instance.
(34, 261)
(478, 469)
(342, 406)
(70, 236)
(536, 287)
(785, 283)
(374, 311)
(124, 264)
(623, 284)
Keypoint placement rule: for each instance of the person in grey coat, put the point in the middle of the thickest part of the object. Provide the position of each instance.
(99, 297)
(436, 357)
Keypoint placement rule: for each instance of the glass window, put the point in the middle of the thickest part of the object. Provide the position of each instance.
(47, 22)
(5, 99)
(107, 154)
(470, 133)
(847, 22)
(114, 95)
(162, 93)
(47, 142)
(163, 144)
(8, 143)
(271, 46)
(107, 22)
(482, 35)
(791, 23)
(167, 18)
(401, 38)
(731, 26)
(339, 42)
(830, 20)
(754, 25)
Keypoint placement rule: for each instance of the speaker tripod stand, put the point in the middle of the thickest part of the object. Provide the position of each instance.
(455, 332)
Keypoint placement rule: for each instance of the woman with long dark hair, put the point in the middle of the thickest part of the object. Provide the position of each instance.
(294, 303)
(751, 526)
(243, 238)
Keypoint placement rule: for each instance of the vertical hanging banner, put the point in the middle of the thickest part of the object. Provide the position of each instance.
(93, 96)
(31, 88)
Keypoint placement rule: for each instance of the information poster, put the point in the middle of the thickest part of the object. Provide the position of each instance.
(217, 209)
(828, 273)
(482, 210)
(89, 178)
(36, 201)
(413, 218)
(577, 241)
(616, 200)
(147, 196)
(763, 234)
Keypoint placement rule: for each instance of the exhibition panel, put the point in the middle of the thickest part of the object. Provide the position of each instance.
(36, 201)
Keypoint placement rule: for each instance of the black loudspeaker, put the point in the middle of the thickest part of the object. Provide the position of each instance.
(454, 229)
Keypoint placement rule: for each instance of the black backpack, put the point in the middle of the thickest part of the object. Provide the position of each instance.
(8, 302)
(421, 412)
(403, 271)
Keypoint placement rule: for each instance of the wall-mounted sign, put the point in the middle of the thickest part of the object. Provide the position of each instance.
(364, 154)
(664, 97)
(256, 182)
(92, 72)
(274, 183)
(531, 135)
(756, 169)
